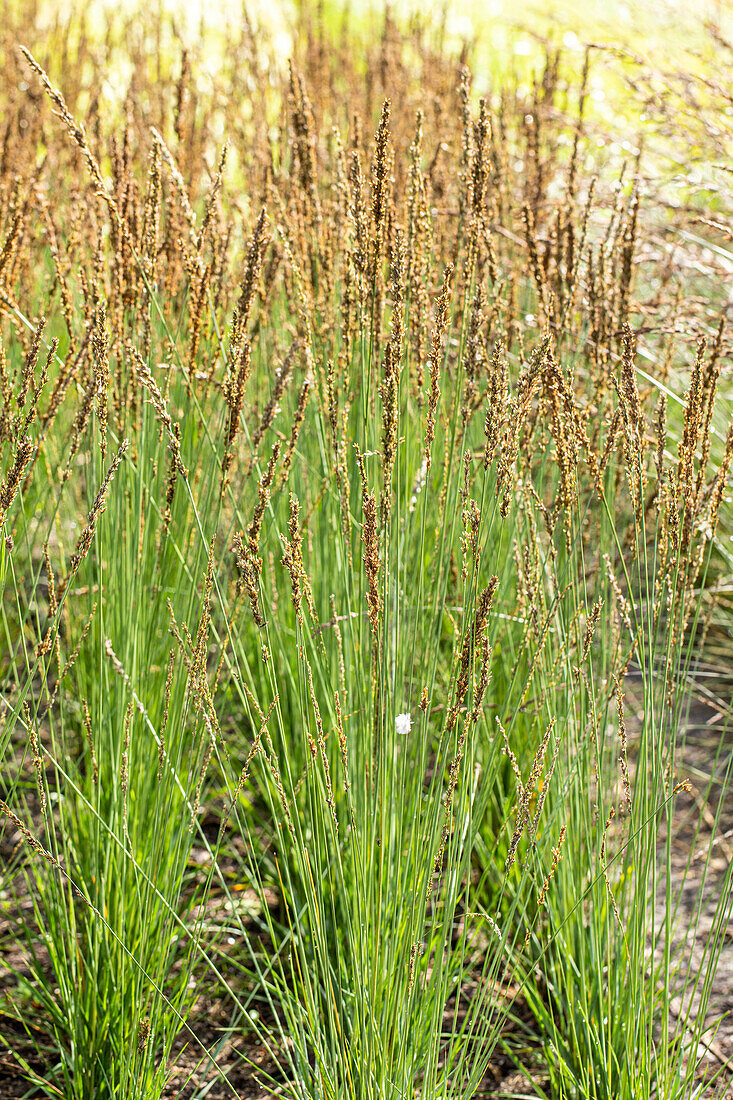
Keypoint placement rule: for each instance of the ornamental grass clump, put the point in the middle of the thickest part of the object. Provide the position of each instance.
(355, 570)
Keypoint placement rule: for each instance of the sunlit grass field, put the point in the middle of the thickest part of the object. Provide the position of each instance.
(366, 552)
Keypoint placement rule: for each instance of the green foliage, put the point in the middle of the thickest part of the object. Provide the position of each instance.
(354, 579)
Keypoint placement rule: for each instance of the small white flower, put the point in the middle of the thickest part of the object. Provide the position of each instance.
(403, 724)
